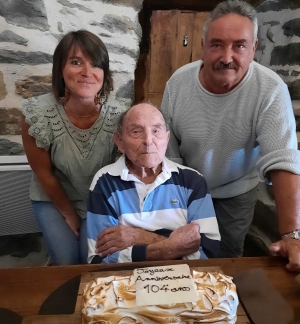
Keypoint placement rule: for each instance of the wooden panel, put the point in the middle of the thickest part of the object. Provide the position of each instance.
(52, 319)
(163, 44)
(185, 27)
(199, 22)
(141, 81)
(155, 98)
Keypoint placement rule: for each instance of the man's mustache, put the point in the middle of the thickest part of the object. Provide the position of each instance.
(223, 66)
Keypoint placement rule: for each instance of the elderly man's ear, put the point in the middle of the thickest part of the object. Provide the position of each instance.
(118, 141)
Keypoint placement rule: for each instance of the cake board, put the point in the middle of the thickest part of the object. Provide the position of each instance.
(75, 318)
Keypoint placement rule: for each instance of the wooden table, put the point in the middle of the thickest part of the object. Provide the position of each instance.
(23, 290)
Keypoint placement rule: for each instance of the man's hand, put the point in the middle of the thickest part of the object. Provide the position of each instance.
(185, 238)
(288, 248)
(120, 237)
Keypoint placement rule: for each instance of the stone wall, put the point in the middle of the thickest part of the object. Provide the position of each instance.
(279, 44)
(29, 33)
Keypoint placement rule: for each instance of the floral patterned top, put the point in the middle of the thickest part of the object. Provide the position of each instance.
(76, 154)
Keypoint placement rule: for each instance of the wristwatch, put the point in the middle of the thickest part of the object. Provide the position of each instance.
(293, 235)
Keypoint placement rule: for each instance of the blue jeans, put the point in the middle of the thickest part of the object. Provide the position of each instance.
(62, 244)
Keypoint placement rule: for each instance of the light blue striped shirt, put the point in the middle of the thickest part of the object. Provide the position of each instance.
(177, 197)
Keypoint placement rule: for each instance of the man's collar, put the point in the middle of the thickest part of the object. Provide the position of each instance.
(120, 168)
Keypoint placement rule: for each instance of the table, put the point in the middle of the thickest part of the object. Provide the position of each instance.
(23, 290)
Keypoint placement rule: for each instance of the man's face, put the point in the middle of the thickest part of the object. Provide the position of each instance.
(144, 137)
(228, 50)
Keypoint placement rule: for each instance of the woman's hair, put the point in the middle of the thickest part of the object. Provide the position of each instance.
(238, 7)
(92, 48)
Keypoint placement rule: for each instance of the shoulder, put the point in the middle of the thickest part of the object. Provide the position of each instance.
(183, 168)
(39, 106)
(38, 112)
(112, 110)
(266, 75)
(106, 173)
(188, 177)
(46, 100)
(115, 106)
(185, 70)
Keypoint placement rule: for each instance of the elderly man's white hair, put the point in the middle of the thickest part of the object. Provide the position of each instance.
(238, 7)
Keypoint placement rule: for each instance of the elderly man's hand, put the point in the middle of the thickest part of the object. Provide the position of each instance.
(288, 248)
(120, 237)
(186, 237)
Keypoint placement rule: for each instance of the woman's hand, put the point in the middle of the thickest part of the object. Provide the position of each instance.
(74, 223)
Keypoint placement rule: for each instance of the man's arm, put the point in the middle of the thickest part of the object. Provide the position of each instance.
(120, 237)
(280, 162)
(286, 188)
(114, 238)
(183, 241)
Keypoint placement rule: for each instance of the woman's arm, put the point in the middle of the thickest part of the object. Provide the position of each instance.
(40, 162)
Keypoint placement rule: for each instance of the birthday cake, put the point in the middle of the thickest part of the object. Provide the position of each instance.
(112, 300)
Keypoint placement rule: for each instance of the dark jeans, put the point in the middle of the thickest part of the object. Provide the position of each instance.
(234, 217)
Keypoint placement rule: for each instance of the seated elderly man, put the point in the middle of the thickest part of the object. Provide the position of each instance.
(145, 207)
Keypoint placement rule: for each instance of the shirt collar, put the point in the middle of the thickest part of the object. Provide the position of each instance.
(120, 169)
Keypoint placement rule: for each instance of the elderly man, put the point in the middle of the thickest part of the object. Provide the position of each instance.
(145, 207)
(232, 120)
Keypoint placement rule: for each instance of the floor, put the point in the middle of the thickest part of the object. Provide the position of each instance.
(26, 250)
(29, 250)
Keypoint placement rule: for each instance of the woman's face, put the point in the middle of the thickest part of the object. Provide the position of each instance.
(82, 79)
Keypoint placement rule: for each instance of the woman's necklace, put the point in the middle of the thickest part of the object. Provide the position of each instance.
(80, 116)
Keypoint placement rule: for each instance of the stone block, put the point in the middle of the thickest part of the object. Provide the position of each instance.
(34, 85)
(20, 57)
(71, 4)
(286, 55)
(8, 147)
(29, 14)
(3, 91)
(292, 28)
(10, 121)
(135, 4)
(10, 37)
(277, 5)
(294, 88)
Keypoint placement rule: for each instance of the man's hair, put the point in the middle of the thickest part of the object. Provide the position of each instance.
(92, 48)
(123, 115)
(238, 7)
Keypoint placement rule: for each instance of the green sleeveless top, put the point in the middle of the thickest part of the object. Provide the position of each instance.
(76, 154)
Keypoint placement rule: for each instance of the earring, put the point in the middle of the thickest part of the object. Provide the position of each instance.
(98, 99)
(103, 99)
(65, 98)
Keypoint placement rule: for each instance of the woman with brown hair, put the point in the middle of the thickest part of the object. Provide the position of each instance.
(67, 137)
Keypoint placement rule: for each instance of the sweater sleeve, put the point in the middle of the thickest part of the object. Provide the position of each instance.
(173, 145)
(201, 211)
(276, 134)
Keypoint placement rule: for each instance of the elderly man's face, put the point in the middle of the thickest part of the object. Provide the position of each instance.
(228, 50)
(144, 137)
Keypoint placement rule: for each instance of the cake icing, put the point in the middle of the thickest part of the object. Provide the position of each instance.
(112, 300)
